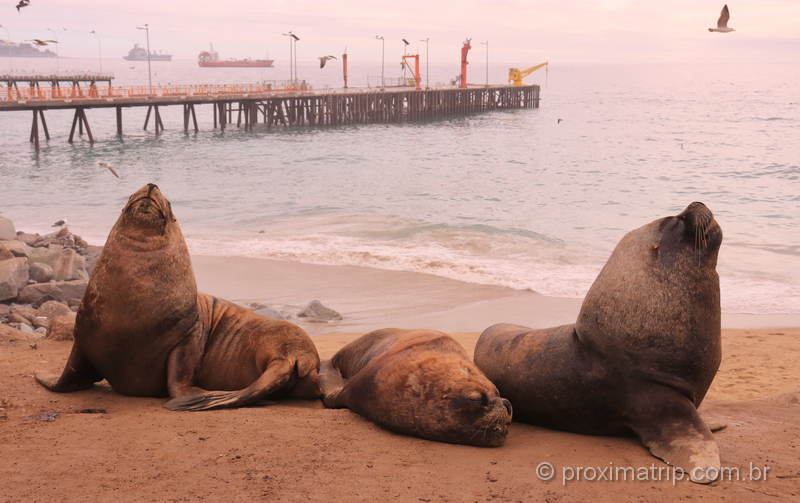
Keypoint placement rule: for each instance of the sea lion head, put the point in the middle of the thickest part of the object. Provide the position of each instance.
(655, 305)
(450, 400)
(148, 211)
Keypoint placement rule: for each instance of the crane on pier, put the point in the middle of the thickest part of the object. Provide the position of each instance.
(515, 75)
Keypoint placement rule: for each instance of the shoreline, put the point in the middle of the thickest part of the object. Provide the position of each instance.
(370, 298)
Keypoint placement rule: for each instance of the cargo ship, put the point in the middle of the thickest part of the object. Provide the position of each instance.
(140, 54)
(210, 59)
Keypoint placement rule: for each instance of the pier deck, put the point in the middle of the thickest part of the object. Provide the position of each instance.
(252, 104)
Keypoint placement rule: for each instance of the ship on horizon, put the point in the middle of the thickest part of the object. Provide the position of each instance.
(14, 50)
(210, 59)
(140, 54)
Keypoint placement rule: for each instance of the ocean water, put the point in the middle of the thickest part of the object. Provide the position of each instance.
(510, 198)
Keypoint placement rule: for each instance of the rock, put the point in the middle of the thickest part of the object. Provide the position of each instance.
(267, 311)
(315, 311)
(40, 272)
(55, 290)
(13, 277)
(42, 331)
(6, 254)
(28, 313)
(18, 319)
(25, 329)
(74, 304)
(69, 266)
(62, 238)
(7, 231)
(17, 248)
(53, 308)
(92, 253)
(28, 239)
(40, 322)
(61, 327)
(5, 309)
(45, 254)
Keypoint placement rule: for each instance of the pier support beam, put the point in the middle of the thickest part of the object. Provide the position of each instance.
(80, 120)
(119, 121)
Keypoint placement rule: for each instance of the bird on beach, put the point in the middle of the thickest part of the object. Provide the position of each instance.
(60, 223)
(108, 167)
(23, 3)
(722, 22)
(40, 42)
(325, 59)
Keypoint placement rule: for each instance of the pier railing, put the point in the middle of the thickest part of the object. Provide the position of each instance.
(93, 91)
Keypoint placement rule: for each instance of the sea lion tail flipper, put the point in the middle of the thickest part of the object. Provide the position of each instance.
(277, 374)
(78, 374)
(676, 434)
(332, 384)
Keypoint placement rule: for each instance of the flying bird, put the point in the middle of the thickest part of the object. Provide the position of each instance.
(559, 121)
(108, 167)
(23, 3)
(722, 22)
(406, 41)
(295, 37)
(41, 42)
(325, 59)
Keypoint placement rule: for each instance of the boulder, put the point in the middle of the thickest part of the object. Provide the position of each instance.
(92, 253)
(40, 272)
(63, 238)
(19, 319)
(53, 308)
(7, 231)
(267, 311)
(23, 313)
(17, 248)
(62, 327)
(5, 309)
(25, 329)
(6, 254)
(28, 239)
(13, 277)
(63, 291)
(45, 254)
(315, 311)
(40, 322)
(69, 266)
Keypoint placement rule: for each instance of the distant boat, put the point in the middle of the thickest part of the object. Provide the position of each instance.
(8, 48)
(140, 54)
(210, 59)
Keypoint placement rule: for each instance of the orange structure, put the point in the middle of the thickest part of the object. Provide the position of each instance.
(464, 51)
(417, 76)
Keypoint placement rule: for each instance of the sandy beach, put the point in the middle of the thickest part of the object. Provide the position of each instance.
(133, 449)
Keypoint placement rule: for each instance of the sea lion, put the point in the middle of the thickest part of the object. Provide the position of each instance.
(143, 327)
(417, 382)
(642, 353)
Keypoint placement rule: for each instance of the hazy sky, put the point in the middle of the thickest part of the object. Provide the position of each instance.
(519, 32)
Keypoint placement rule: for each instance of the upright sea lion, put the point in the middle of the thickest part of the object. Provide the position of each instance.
(143, 327)
(417, 382)
(642, 354)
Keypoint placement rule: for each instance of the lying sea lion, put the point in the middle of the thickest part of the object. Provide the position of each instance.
(642, 354)
(143, 327)
(417, 382)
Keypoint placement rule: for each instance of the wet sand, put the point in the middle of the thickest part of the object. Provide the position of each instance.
(135, 450)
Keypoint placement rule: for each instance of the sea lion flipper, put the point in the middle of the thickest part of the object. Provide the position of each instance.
(78, 374)
(332, 384)
(277, 374)
(676, 434)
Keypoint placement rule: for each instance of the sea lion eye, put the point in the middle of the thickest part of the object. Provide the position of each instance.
(478, 397)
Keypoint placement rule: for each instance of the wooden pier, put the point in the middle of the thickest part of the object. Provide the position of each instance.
(249, 105)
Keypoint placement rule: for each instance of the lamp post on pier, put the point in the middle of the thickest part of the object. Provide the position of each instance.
(427, 63)
(487, 61)
(383, 53)
(99, 50)
(146, 29)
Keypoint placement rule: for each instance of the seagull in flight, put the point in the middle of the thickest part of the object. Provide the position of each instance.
(325, 59)
(41, 42)
(23, 3)
(722, 22)
(108, 167)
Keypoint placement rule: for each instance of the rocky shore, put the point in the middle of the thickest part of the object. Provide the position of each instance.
(42, 279)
